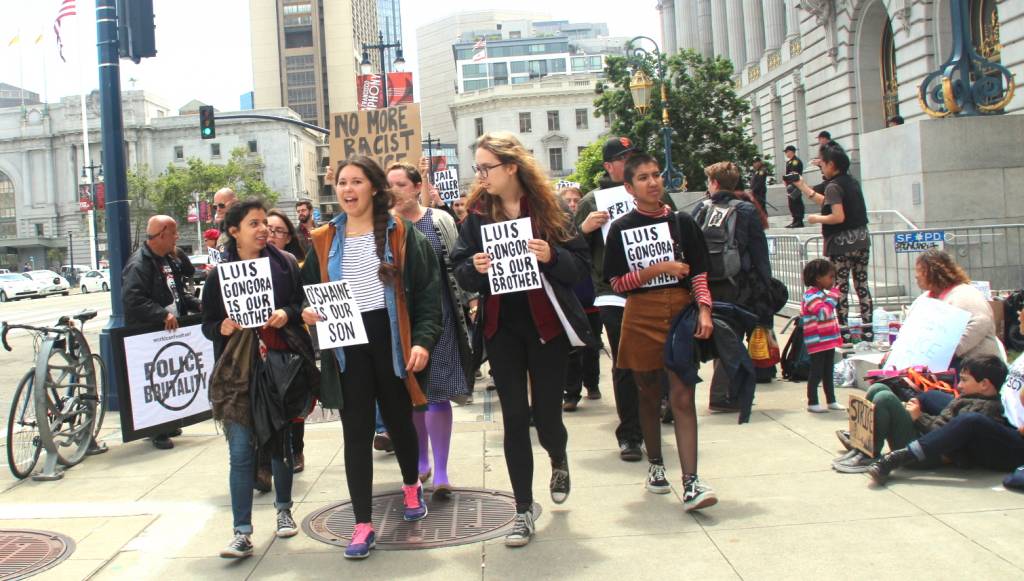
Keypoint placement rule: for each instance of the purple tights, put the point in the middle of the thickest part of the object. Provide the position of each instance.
(435, 425)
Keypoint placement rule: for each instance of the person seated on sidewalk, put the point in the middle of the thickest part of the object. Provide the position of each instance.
(978, 434)
(901, 423)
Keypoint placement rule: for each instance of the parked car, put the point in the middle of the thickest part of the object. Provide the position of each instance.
(203, 266)
(18, 286)
(95, 280)
(51, 282)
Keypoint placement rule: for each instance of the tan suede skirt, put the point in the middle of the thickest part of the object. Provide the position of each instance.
(645, 325)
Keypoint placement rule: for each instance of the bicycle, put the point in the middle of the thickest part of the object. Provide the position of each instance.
(68, 396)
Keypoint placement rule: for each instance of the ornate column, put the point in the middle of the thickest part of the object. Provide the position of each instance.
(792, 19)
(774, 23)
(720, 28)
(667, 11)
(737, 42)
(686, 25)
(704, 32)
(753, 16)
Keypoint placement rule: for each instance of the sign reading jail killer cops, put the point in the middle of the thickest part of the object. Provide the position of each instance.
(649, 245)
(617, 202)
(513, 267)
(388, 135)
(163, 378)
(918, 241)
(862, 424)
(341, 323)
(248, 291)
(447, 184)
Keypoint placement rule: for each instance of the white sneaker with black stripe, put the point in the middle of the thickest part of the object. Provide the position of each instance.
(656, 481)
(697, 495)
(286, 526)
(239, 547)
(523, 528)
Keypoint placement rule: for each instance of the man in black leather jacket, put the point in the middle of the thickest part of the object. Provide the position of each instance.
(152, 287)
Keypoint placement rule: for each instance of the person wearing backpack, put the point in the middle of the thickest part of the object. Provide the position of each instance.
(739, 271)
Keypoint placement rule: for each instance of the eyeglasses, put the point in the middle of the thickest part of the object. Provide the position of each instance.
(220, 206)
(278, 232)
(483, 170)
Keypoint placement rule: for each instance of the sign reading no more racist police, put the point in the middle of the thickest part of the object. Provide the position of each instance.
(387, 136)
(513, 267)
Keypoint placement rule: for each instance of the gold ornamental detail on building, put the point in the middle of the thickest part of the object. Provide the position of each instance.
(795, 47)
(753, 73)
(990, 47)
(774, 60)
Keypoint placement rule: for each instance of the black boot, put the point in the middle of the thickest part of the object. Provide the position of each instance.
(880, 470)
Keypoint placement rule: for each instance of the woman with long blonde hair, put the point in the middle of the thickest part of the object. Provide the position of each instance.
(527, 334)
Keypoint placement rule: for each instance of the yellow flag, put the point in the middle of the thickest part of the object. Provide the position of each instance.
(14, 40)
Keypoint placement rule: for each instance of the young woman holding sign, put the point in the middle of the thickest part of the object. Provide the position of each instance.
(451, 368)
(526, 333)
(233, 385)
(392, 272)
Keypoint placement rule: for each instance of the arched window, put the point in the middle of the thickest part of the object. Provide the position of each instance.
(890, 86)
(8, 211)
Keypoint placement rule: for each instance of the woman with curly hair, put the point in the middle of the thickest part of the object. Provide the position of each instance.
(527, 334)
(942, 278)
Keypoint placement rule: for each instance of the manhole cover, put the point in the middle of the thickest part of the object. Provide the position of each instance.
(469, 516)
(23, 553)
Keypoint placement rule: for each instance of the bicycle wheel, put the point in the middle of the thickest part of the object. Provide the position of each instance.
(101, 393)
(23, 430)
(67, 398)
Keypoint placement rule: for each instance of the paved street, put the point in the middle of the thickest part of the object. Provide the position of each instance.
(139, 513)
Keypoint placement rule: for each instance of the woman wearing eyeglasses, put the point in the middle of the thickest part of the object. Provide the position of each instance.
(526, 333)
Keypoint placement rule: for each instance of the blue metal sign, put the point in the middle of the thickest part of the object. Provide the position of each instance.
(918, 240)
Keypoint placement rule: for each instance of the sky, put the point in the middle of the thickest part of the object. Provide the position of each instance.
(203, 46)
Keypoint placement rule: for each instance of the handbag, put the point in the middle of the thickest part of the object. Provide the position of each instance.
(763, 349)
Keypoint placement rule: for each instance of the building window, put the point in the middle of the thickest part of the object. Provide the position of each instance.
(525, 123)
(475, 85)
(890, 85)
(7, 207)
(582, 121)
(302, 79)
(553, 124)
(296, 63)
(179, 153)
(479, 124)
(580, 150)
(474, 71)
(305, 95)
(253, 146)
(555, 159)
(519, 67)
(214, 150)
(40, 231)
(556, 65)
(514, 34)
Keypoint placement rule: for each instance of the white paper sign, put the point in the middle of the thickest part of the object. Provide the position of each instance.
(341, 323)
(447, 184)
(566, 184)
(247, 290)
(984, 287)
(168, 375)
(617, 202)
(929, 336)
(513, 267)
(649, 245)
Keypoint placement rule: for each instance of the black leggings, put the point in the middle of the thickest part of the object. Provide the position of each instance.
(822, 363)
(516, 353)
(369, 376)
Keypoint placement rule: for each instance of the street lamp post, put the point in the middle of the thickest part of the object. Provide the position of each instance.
(366, 67)
(430, 141)
(89, 180)
(640, 86)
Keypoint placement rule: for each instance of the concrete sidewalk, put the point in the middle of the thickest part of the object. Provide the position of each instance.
(141, 513)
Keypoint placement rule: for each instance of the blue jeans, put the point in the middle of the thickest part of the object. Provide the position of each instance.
(242, 459)
(379, 426)
(986, 443)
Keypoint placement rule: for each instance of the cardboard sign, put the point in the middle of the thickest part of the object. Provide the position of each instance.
(649, 245)
(340, 323)
(163, 378)
(447, 184)
(247, 290)
(929, 336)
(862, 424)
(566, 184)
(513, 267)
(617, 202)
(918, 241)
(387, 135)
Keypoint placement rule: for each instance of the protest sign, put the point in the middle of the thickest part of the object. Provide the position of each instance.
(247, 291)
(617, 202)
(929, 336)
(447, 184)
(566, 184)
(513, 267)
(918, 241)
(340, 323)
(164, 383)
(387, 135)
(649, 245)
(862, 424)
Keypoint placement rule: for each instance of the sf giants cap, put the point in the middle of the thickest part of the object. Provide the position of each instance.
(616, 147)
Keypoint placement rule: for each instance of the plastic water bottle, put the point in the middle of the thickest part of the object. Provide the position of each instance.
(894, 328)
(855, 325)
(880, 325)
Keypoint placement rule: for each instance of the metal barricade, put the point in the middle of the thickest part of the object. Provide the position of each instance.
(787, 257)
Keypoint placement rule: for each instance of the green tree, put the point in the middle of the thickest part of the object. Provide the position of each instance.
(709, 121)
(589, 167)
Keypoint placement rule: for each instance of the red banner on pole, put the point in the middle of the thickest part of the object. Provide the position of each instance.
(370, 90)
(84, 199)
(101, 196)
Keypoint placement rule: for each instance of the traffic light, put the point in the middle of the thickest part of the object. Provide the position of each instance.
(135, 29)
(207, 128)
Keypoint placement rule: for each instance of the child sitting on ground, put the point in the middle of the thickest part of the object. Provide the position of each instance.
(821, 331)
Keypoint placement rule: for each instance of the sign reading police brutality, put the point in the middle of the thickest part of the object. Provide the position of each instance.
(340, 323)
(918, 241)
(248, 291)
(649, 245)
(447, 184)
(513, 267)
(617, 202)
(387, 135)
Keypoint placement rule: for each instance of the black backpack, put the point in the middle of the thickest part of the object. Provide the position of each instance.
(796, 361)
(718, 222)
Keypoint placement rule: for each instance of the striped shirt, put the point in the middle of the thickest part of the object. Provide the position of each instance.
(359, 266)
(818, 315)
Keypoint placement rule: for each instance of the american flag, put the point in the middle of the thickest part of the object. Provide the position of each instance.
(67, 8)
(481, 50)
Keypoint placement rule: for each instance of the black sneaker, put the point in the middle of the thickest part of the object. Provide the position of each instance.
(286, 526)
(656, 481)
(697, 495)
(630, 452)
(522, 529)
(238, 548)
(880, 470)
(560, 482)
